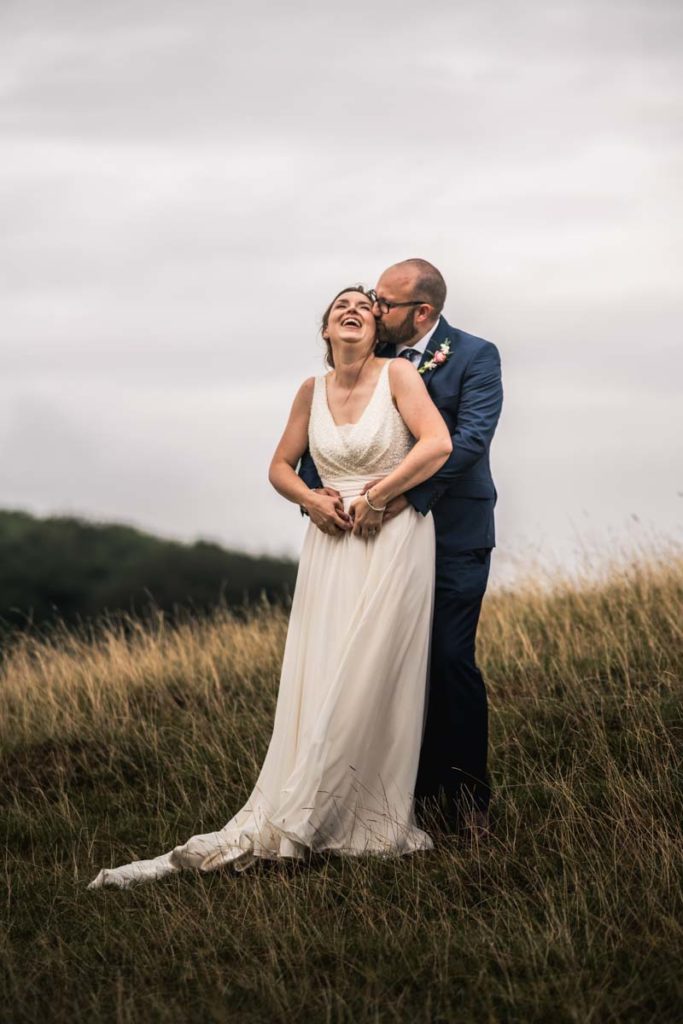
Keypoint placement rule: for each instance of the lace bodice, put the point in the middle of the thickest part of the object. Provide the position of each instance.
(353, 452)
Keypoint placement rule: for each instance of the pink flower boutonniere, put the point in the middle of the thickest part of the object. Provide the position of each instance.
(438, 358)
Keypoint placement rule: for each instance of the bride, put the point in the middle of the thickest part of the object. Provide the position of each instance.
(342, 761)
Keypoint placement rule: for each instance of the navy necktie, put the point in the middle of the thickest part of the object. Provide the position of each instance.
(411, 355)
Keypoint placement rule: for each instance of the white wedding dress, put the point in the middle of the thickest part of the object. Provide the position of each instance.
(342, 761)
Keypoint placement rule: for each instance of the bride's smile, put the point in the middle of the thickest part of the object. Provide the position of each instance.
(351, 320)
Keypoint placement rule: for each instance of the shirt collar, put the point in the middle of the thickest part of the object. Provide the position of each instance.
(420, 345)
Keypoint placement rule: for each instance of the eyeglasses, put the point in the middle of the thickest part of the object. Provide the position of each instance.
(385, 305)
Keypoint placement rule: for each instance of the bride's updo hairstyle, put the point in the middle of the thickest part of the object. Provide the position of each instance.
(329, 359)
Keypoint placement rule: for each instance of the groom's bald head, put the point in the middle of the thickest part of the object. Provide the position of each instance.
(409, 299)
(422, 279)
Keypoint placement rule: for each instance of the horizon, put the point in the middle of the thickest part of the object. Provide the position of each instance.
(592, 563)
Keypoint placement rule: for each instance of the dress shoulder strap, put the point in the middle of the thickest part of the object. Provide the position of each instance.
(384, 384)
(318, 398)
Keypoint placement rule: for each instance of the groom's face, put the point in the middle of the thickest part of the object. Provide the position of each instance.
(397, 327)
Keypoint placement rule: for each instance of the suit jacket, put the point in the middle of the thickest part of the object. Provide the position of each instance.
(468, 392)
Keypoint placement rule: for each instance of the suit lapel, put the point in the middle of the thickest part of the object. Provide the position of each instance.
(440, 335)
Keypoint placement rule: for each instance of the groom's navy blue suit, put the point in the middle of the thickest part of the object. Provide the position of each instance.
(468, 392)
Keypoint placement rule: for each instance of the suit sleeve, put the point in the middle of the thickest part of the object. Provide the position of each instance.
(481, 400)
(309, 473)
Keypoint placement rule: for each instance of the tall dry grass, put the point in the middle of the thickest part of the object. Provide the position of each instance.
(124, 742)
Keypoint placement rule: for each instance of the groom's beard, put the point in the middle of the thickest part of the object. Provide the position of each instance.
(400, 335)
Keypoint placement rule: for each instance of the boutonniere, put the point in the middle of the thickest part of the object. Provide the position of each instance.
(438, 358)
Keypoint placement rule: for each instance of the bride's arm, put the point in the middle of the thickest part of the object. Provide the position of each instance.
(426, 424)
(322, 508)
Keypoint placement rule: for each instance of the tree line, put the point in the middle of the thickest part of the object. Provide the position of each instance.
(71, 569)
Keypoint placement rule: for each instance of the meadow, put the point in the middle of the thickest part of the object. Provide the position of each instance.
(121, 740)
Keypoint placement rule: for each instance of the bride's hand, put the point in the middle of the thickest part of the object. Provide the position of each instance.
(366, 523)
(326, 509)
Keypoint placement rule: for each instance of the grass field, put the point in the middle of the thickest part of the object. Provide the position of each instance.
(122, 744)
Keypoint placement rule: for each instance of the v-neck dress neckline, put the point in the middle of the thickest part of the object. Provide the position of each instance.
(340, 426)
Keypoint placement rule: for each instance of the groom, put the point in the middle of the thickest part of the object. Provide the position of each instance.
(462, 375)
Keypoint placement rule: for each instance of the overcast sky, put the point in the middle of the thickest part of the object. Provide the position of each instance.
(184, 186)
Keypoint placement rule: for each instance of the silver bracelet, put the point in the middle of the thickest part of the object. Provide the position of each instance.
(367, 498)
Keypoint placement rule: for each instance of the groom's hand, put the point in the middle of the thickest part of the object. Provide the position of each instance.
(326, 510)
(330, 491)
(394, 507)
(325, 490)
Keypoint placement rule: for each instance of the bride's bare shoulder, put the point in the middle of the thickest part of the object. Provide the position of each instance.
(402, 370)
(304, 395)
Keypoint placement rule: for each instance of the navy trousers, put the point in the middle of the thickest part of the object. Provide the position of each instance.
(455, 743)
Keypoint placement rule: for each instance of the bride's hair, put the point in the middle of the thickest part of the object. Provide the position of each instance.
(329, 359)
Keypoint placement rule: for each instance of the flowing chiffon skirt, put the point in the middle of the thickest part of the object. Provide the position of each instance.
(341, 766)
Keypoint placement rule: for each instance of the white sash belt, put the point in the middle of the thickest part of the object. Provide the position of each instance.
(350, 486)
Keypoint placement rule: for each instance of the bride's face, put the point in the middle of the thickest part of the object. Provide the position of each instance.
(351, 320)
